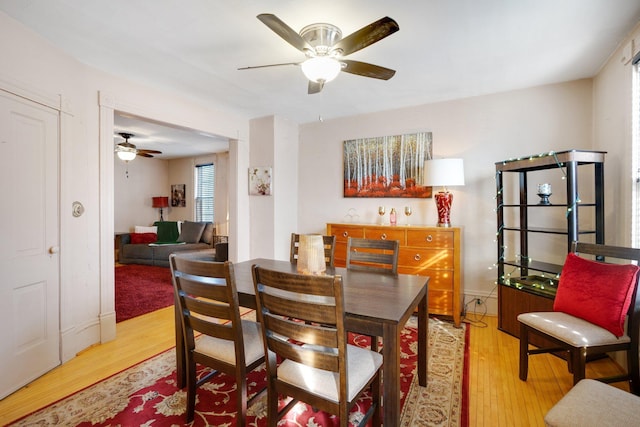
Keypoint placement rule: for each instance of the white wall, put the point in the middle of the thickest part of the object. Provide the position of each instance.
(147, 178)
(482, 130)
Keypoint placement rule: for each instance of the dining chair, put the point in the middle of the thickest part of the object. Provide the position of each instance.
(593, 300)
(208, 304)
(305, 341)
(373, 255)
(329, 248)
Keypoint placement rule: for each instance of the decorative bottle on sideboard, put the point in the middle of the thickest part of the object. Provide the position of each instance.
(392, 217)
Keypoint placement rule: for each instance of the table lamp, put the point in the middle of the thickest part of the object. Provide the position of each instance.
(443, 173)
(160, 202)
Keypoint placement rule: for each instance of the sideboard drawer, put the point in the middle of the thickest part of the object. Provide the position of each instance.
(343, 232)
(423, 258)
(430, 239)
(385, 234)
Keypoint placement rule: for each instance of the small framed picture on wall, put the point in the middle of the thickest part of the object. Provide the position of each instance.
(178, 195)
(260, 181)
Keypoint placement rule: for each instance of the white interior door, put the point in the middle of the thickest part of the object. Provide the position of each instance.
(29, 239)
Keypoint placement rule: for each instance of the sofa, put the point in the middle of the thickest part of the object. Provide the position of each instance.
(153, 245)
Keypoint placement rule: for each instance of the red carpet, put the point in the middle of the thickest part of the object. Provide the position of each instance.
(146, 394)
(141, 289)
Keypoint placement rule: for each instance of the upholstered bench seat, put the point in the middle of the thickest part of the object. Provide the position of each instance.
(571, 329)
(591, 403)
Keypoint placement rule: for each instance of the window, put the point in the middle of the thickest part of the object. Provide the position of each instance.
(635, 222)
(205, 183)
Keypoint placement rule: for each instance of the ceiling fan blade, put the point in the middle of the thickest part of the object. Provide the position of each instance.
(143, 154)
(366, 36)
(149, 152)
(315, 87)
(367, 70)
(270, 65)
(285, 31)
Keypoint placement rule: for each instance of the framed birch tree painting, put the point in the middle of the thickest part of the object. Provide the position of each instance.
(387, 166)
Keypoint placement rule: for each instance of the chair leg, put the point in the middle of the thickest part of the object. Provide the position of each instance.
(241, 389)
(272, 406)
(191, 389)
(375, 396)
(579, 361)
(524, 351)
(633, 368)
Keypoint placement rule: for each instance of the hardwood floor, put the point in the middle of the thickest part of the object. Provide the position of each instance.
(496, 396)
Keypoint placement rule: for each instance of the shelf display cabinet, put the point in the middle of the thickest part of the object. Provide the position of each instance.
(525, 283)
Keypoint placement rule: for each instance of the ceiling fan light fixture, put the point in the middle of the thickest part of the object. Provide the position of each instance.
(321, 68)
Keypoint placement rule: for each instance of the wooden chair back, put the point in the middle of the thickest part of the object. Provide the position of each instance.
(329, 249)
(373, 255)
(303, 323)
(207, 302)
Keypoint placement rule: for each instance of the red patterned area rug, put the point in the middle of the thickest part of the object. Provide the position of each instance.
(141, 289)
(146, 394)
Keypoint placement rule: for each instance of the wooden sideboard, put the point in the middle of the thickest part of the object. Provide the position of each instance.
(427, 251)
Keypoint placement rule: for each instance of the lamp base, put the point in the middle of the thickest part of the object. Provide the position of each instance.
(443, 203)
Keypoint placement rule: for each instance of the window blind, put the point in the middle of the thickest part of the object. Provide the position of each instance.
(204, 194)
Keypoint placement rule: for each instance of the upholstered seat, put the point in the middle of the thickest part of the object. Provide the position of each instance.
(594, 404)
(571, 329)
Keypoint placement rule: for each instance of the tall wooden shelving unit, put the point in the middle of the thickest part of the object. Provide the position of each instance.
(534, 288)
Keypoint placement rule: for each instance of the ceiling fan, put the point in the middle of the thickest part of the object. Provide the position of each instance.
(127, 151)
(325, 49)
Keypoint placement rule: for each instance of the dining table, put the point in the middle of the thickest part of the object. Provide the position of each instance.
(378, 305)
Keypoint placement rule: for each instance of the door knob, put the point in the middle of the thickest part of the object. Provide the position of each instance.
(54, 249)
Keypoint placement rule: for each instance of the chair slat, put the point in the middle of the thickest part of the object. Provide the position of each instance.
(302, 331)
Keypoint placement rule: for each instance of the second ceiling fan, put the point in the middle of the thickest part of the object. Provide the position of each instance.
(325, 49)
(127, 151)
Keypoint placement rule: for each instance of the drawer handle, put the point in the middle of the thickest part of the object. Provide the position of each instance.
(345, 234)
(429, 238)
(417, 257)
(384, 236)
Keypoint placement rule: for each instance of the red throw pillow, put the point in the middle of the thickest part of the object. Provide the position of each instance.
(597, 292)
(137, 238)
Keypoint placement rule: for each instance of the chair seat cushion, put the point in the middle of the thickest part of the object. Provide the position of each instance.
(362, 365)
(592, 403)
(596, 291)
(570, 329)
(225, 350)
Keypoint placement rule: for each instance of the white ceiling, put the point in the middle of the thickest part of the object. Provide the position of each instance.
(445, 49)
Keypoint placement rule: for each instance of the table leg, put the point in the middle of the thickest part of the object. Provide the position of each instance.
(423, 346)
(391, 372)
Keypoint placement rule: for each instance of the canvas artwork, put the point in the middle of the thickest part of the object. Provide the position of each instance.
(178, 195)
(260, 181)
(387, 166)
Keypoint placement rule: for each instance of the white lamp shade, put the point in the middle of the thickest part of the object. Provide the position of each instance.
(321, 69)
(443, 172)
(126, 155)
